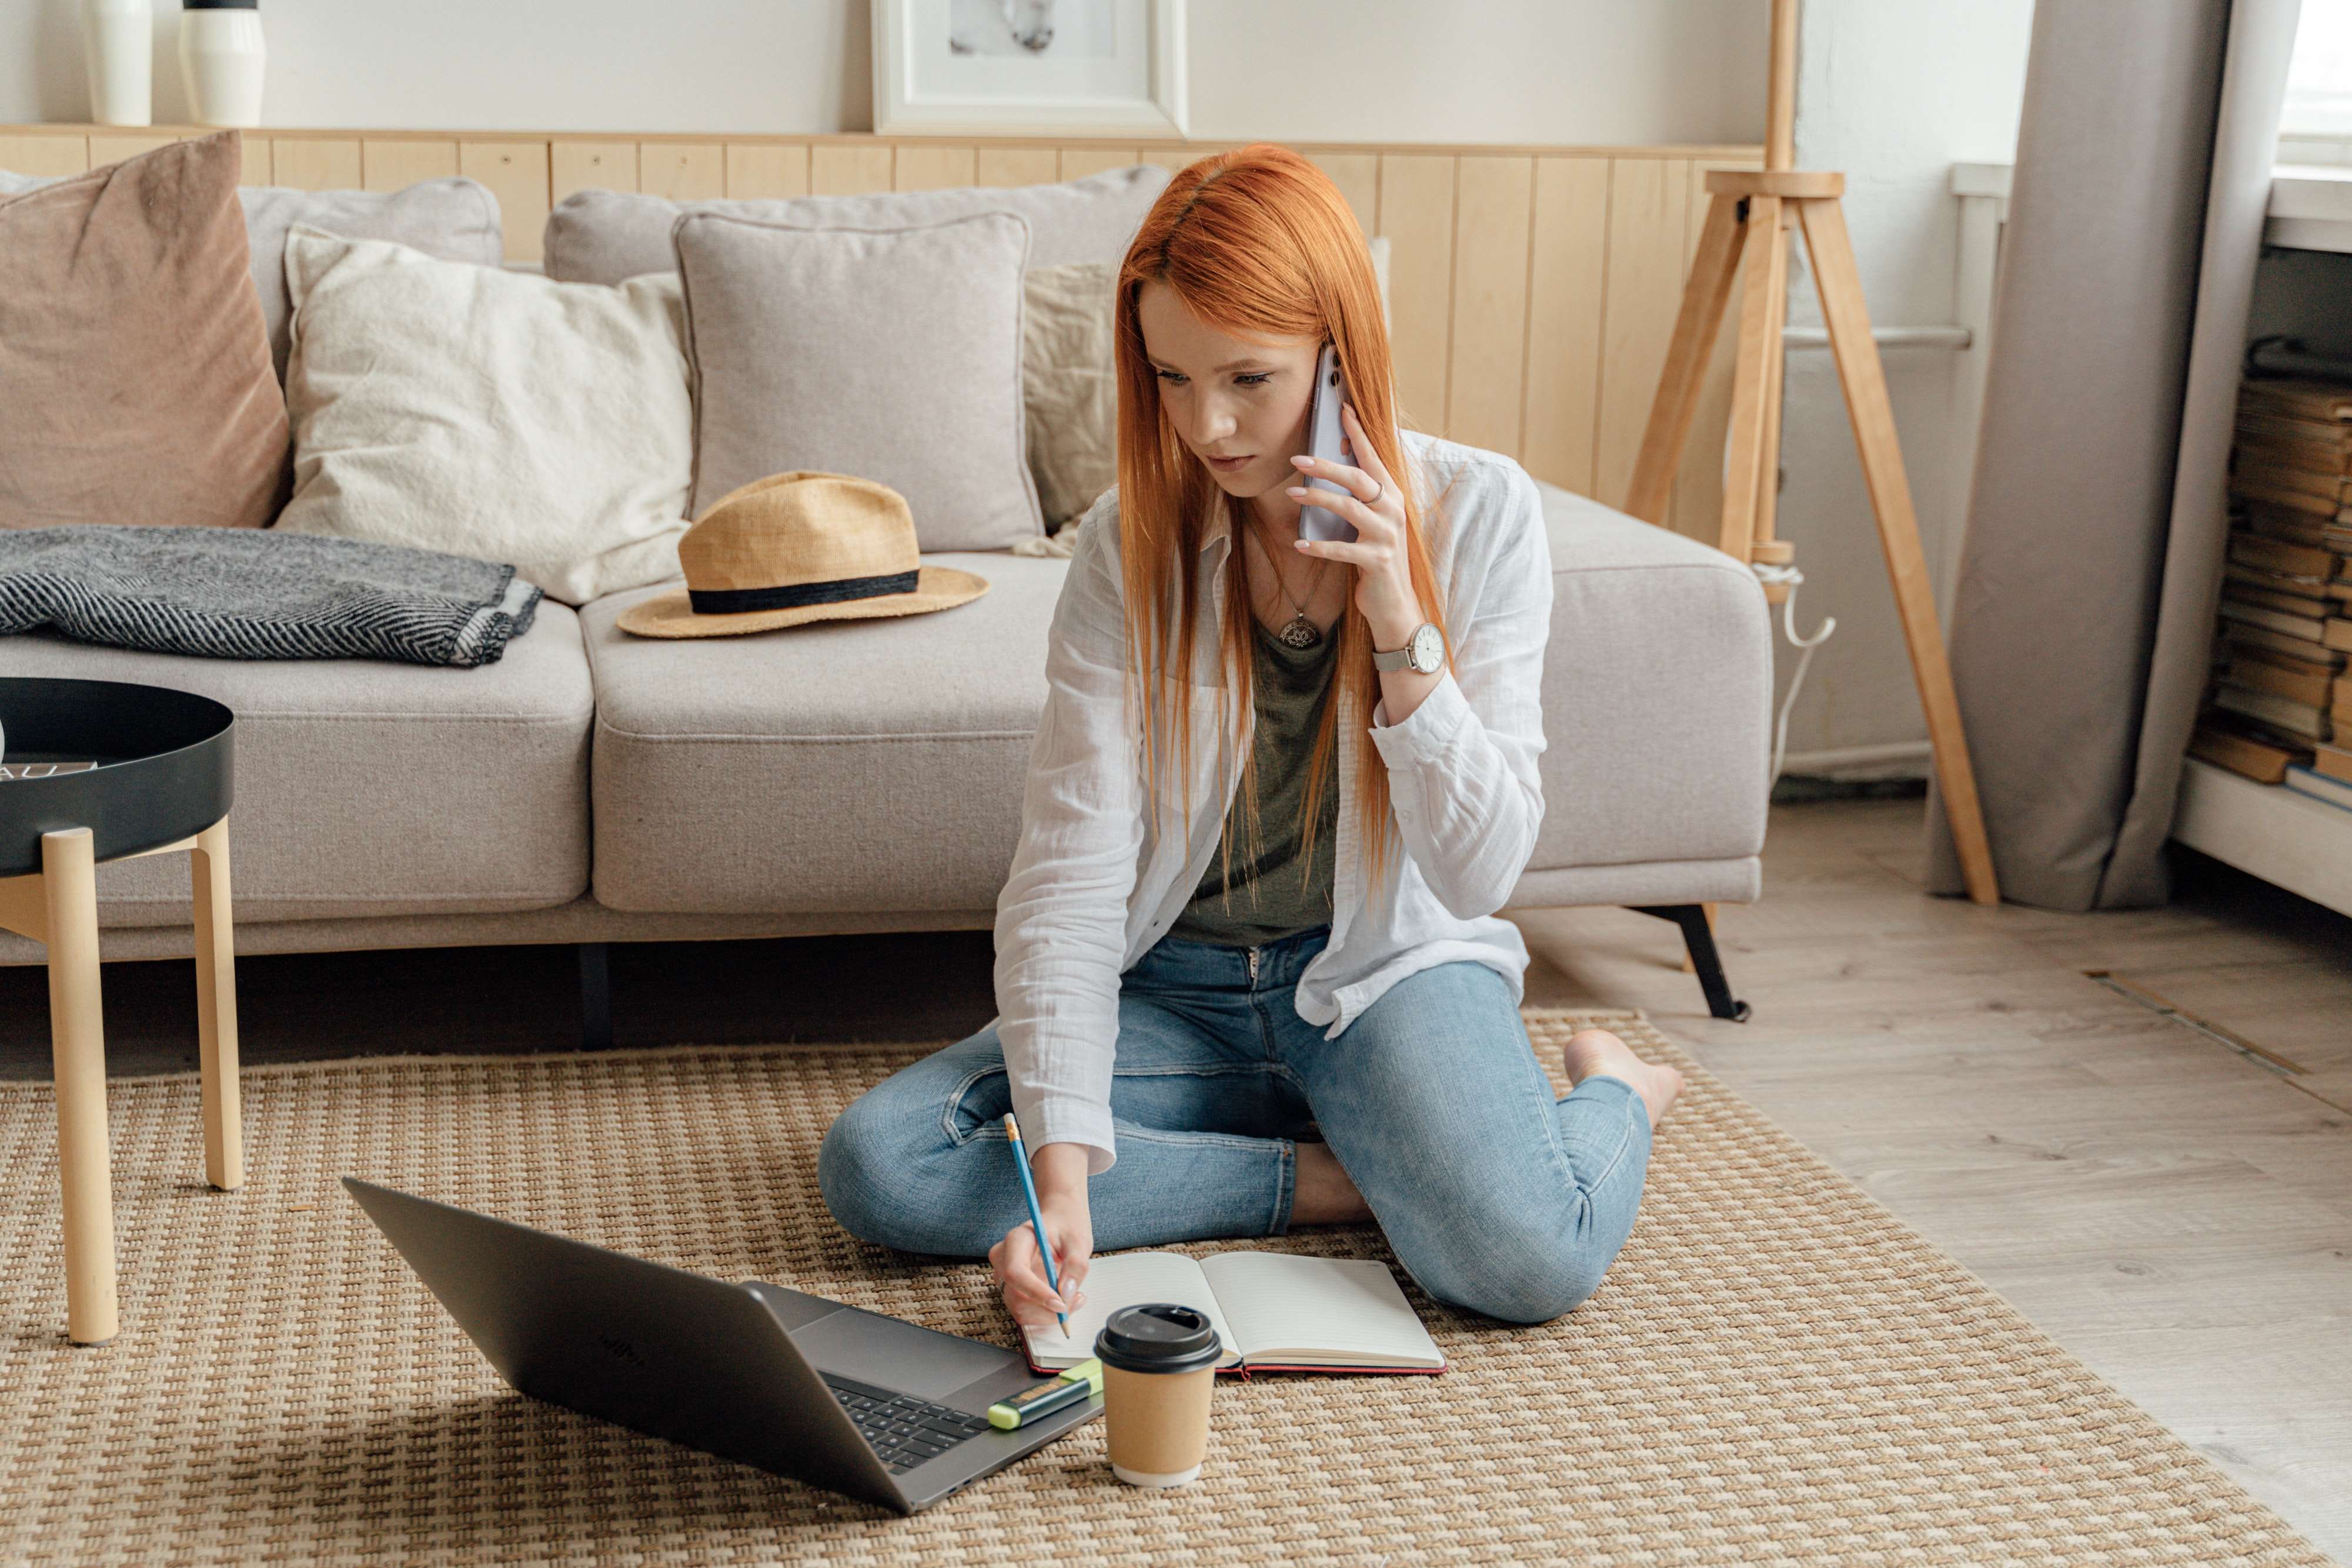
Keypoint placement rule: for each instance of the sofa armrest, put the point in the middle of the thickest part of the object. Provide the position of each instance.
(1657, 695)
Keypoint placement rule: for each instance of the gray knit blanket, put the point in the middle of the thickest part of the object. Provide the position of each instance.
(254, 593)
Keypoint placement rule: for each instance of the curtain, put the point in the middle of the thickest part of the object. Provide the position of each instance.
(2092, 562)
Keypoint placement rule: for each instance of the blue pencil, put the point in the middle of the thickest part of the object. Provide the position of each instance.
(1036, 1218)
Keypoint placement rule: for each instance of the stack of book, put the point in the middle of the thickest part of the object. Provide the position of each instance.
(2279, 709)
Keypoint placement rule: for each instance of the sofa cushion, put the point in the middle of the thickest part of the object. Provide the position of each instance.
(366, 788)
(134, 370)
(862, 767)
(894, 355)
(844, 765)
(603, 236)
(488, 413)
(455, 219)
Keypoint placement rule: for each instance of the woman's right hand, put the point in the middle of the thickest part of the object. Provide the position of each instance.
(1060, 1173)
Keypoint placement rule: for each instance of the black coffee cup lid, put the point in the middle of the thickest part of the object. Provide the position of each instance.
(1158, 1336)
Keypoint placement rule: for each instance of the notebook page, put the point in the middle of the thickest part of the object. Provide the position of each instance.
(1344, 1312)
(1127, 1279)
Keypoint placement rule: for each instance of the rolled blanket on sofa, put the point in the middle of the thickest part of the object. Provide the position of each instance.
(250, 594)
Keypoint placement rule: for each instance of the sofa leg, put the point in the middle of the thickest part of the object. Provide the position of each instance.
(595, 996)
(1698, 938)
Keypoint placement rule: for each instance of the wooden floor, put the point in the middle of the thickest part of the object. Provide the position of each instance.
(2175, 1214)
(2173, 1210)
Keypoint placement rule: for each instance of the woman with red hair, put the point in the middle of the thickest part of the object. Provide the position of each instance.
(1248, 968)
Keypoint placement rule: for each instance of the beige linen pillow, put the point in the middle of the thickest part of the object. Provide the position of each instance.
(489, 413)
(134, 370)
(1069, 380)
(892, 355)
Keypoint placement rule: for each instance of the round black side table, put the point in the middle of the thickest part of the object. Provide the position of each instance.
(162, 784)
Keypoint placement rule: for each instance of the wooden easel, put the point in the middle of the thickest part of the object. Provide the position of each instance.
(1752, 210)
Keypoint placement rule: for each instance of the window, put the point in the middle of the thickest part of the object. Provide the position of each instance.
(2317, 126)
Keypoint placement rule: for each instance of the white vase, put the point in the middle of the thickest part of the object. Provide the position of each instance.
(118, 40)
(221, 57)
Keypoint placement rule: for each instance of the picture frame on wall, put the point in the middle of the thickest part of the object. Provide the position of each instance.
(1029, 68)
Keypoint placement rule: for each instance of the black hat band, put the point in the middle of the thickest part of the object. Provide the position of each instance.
(792, 595)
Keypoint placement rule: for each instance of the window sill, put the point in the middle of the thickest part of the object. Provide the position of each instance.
(2310, 207)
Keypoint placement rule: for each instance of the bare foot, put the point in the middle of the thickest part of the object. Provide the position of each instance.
(1595, 1051)
(1321, 1193)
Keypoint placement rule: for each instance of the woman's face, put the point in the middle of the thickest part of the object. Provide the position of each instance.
(1231, 397)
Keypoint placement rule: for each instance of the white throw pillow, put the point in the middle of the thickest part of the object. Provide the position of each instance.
(488, 413)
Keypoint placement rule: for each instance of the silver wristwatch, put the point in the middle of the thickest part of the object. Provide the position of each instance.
(1424, 651)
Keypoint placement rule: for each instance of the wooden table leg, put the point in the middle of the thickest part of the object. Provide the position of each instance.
(77, 1036)
(216, 1007)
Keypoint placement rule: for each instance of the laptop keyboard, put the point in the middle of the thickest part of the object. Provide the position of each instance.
(906, 1432)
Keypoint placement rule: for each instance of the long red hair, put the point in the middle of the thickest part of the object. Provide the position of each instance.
(1258, 244)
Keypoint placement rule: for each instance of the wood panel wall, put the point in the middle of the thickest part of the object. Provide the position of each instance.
(1533, 289)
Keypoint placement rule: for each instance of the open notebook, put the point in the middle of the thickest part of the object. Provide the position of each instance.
(1276, 1312)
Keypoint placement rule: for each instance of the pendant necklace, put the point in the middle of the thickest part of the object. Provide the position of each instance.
(1297, 632)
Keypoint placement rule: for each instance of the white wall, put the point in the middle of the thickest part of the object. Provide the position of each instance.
(1552, 71)
(1893, 92)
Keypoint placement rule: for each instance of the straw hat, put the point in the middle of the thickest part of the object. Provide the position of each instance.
(799, 546)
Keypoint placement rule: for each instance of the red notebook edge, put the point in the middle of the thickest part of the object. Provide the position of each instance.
(1244, 1369)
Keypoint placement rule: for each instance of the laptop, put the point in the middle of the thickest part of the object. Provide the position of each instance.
(845, 1399)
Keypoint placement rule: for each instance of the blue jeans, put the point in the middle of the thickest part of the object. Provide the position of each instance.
(1494, 1195)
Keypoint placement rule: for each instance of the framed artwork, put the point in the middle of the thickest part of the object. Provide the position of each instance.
(1029, 68)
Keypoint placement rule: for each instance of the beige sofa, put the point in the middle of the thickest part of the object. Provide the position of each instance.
(861, 776)
(855, 776)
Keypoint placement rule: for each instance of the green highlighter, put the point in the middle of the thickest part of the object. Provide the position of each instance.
(1083, 1381)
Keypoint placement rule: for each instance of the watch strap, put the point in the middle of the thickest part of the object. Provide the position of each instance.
(1401, 658)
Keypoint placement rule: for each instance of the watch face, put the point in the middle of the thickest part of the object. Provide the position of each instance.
(1428, 649)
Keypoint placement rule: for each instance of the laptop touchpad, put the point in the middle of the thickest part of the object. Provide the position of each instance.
(898, 1356)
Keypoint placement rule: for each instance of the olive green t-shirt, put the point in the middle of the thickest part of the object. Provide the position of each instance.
(1276, 893)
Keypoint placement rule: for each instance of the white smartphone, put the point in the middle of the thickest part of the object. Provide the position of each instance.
(1324, 438)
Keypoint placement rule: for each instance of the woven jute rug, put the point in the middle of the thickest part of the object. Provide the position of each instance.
(1775, 1370)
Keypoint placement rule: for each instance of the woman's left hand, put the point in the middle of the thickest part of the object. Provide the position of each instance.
(1384, 591)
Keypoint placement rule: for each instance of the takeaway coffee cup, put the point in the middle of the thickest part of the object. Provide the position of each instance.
(1159, 1363)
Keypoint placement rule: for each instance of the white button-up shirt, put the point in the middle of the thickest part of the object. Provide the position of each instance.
(1099, 876)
